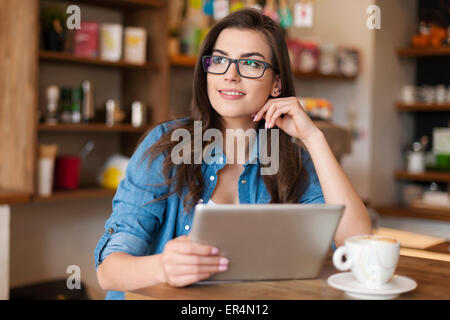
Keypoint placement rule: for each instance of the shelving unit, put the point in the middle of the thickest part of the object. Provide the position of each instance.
(428, 176)
(430, 64)
(84, 192)
(127, 4)
(148, 83)
(422, 107)
(92, 127)
(423, 52)
(65, 57)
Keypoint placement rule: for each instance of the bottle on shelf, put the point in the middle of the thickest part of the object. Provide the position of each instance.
(76, 105)
(52, 105)
(88, 110)
(66, 102)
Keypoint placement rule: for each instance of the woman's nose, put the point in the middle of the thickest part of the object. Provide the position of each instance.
(232, 73)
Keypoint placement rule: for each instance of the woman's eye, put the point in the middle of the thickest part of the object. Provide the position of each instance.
(252, 63)
(218, 60)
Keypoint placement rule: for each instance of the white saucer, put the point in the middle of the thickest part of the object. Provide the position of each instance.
(346, 281)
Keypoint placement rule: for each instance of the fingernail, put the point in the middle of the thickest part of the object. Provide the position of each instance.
(254, 118)
(223, 268)
(223, 261)
(265, 125)
(214, 250)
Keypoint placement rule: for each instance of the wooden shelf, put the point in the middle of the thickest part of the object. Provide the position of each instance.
(423, 107)
(435, 176)
(183, 61)
(94, 127)
(65, 57)
(189, 62)
(11, 197)
(81, 193)
(423, 52)
(398, 211)
(125, 4)
(318, 75)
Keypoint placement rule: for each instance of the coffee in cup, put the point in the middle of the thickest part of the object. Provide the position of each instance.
(371, 258)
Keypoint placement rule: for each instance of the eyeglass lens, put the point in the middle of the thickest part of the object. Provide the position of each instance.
(247, 68)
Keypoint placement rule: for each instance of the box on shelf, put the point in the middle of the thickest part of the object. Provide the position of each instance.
(86, 40)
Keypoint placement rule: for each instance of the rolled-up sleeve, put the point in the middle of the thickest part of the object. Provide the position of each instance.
(313, 193)
(134, 220)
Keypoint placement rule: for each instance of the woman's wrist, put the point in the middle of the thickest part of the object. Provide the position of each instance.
(314, 138)
(160, 272)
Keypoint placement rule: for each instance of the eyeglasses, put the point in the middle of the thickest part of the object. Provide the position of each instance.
(246, 68)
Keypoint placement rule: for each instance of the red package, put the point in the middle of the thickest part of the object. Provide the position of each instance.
(86, 40)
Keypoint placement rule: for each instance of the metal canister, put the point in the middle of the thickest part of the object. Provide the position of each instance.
(137, 114)
(111, 106)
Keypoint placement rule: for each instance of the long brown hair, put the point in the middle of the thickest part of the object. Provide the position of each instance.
(291, 180)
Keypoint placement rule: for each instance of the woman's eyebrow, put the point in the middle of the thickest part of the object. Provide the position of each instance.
(242, 55)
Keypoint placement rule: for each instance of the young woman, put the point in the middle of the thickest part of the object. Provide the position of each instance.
(242, 81)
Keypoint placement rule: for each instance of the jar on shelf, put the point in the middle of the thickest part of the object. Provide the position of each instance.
(309, 57)
(348, 61)
(328, 59)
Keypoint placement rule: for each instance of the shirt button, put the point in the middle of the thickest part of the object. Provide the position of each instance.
(200, 201)
(186, 227)
(110, 230)
(243, 181)
(220, 160)
(211, 178)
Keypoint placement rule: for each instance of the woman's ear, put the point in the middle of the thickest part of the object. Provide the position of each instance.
(276, 87)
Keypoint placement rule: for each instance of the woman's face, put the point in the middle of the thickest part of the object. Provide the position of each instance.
(235, 44)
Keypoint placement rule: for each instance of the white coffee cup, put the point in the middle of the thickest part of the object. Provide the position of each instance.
(372, 259)
(409, 94)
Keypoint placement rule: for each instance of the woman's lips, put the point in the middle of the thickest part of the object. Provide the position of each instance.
(231, 94)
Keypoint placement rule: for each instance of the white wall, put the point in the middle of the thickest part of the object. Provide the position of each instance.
(391, 128)
(48, 237)
(343, 22)
(4, 252)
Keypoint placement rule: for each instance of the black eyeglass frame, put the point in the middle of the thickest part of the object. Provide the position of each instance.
(236, 61)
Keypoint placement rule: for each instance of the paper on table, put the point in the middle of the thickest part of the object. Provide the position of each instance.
(410, 239)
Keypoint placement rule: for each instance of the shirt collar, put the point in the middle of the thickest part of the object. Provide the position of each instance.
(217, 153)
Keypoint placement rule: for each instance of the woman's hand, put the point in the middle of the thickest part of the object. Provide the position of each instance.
(295, 121)
(186, 262)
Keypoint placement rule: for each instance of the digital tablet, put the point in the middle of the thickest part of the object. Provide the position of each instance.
(268, 241)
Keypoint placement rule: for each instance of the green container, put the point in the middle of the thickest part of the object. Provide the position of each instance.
(443, 162)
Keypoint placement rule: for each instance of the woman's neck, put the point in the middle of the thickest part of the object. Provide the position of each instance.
(232, 133)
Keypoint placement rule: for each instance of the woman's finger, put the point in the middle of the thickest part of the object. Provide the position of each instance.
(278, 112)
(279, 101)
(270, 121)
(179, 270)
(183, 259)
(189, 247)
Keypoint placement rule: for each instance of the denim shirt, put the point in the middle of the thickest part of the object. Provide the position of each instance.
(139, 228)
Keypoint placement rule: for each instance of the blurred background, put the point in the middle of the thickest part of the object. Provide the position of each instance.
(83, 81)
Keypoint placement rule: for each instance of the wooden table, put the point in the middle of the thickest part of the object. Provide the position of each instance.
(432, 277)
